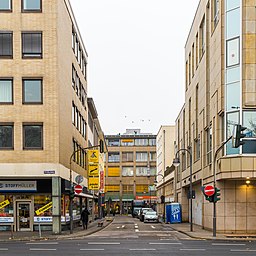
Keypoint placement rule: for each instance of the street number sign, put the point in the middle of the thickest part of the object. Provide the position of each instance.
(209, 190)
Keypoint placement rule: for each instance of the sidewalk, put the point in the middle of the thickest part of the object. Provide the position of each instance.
(200, 233)
(48, 235)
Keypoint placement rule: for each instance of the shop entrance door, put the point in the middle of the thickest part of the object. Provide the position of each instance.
(24, 216)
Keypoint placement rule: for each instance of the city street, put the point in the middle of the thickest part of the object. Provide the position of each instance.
(128, 236)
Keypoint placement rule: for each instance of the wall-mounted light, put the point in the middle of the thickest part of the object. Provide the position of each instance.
(247, 181)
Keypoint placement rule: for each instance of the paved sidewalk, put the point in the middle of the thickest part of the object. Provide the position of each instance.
(48, 235)
(200, 233)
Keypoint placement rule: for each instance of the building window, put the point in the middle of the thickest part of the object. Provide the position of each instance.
(113, 157)
(127, 142)
(5, 5)
(152, 156)
(32, 5)
(152, 142)
(209, 145)
(5, 44)
(6, 91)
(141, 156)
(32, 45)
(127, 157)
(202, 38)
(249, 121)
(142, 171)
(127, 171)
(233, 51)
(141, 142)
(215, 13)
(113, 142)
(6, 136)
(33, 136)
(114, 171)
(32, 91)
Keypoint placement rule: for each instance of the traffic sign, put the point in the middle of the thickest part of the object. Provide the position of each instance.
(209, 190)
(79, 179)
(78, 189)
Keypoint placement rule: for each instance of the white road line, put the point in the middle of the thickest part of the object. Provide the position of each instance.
(92, 249)
(4, 249)
(166, 243)
(144, 249)
(220, 244)
(42, 249)
(136, 230)
(192, 249)
(123, 226)
(103, 243)
(153, 227)
(117, 227)
(44, 243)
(243, 250)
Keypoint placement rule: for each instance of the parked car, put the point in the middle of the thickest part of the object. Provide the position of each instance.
(142, 213)
(136, 212)
(151, 216)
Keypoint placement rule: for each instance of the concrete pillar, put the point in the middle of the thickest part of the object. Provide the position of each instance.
(56, 205)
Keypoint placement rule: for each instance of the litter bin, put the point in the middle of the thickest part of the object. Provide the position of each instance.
(173, 213)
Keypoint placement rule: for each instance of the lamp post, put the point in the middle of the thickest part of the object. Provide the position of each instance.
(176, 163)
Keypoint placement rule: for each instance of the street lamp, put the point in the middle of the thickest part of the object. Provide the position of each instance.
(176, 163)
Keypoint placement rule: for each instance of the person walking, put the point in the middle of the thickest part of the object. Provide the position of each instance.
(84, 217)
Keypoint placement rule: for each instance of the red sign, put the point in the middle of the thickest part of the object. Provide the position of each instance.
(78, 189)
(209, 190)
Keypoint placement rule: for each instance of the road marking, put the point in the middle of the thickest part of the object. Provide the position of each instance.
(136, 230)
(92, 249)
(166, 243)
(227, 244)
(117, 227)
(44, 243)
(192, 249)
(103, 243)
(144, 249)
(42, 249)
(153, 227)
(4, 249)
(123, 226)
(243, 250)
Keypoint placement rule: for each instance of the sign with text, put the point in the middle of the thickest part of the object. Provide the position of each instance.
(4, 203)
(18, 186)
(93, 170)
(44, 208)
(93, 156)
(93, 183)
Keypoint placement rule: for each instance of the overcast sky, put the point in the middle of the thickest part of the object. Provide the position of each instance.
(136, 59)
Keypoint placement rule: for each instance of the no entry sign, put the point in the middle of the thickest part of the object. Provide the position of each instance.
(78, 189)
(209, 190)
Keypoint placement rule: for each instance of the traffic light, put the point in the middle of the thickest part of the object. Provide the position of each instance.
(101, 146)
(162, 199)
(216, 195)
(72, 192)
(238, 135)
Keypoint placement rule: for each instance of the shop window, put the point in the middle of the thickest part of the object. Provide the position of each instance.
(6, 136)
(42, 200)
(6, 212)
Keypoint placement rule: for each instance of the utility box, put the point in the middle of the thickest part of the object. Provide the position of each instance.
(173, 213)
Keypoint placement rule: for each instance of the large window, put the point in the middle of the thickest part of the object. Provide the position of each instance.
(32, 136)
(32, 5)
(32, 45)
(127, 142)
(32, 91)
(113, 157)
(6, 89)
(127, 171)
(127, 157)
(113, 142)
(141, 142)
(142, 171)
(141, 156)
(5, 44)
(5, 5)
(232, 119)
(6, 136)
(249, 121)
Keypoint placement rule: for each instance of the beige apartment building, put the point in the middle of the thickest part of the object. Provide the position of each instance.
(165, 179)
(130, 169)
(43, 114)
(220, 92)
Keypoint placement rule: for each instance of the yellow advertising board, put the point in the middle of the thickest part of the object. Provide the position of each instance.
(4, 203)
(44, 208)
(93, 170)
(93, 156)
(93, 183)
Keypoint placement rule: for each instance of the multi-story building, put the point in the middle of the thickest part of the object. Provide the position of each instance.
(165, 170)
(43, 113)
(219, 93)
(130, 169)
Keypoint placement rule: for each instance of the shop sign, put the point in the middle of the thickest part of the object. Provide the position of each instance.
(47, 219)
(4, 203)
(93, 183)
(49, 172)
(93, 156)
(6, 219)
(44, 208)
(93, 170)
(18, 186)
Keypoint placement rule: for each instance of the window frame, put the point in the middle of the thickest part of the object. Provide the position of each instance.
(7, 10)
(31, 10)
(31, 55)
(11, 46)
(12, 125)
(24, 137)
(23, 90)
(7, 79)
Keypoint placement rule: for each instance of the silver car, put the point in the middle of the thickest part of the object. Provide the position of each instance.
(151, 216)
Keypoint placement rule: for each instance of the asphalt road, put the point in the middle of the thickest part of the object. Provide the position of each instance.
(127, 236)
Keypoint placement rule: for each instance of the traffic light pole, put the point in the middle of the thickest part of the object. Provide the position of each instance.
(214, 184)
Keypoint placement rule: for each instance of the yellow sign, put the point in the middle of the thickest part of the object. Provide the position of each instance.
(93, 170)
(44, 208)
(127, 140)
(4, 203)
(93, 183)
(93, 156)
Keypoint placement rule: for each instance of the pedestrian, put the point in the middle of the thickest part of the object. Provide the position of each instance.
(84, 218)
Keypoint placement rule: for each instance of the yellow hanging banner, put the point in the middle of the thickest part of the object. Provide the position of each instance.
(93, 170)
(93, 183)
(93, 156)
(44, 208)
(4, 203)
